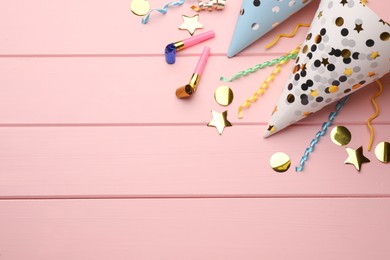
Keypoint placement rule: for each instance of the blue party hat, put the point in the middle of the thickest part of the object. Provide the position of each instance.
(257, 17)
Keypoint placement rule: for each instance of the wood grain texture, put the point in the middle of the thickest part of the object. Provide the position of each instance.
(99, 160)
(141, 91)
(57, 27)
(249, 229)
(180, 161)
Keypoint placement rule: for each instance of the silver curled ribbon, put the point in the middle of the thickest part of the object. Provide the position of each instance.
(209, 5)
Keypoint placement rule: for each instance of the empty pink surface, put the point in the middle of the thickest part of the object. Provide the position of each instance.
(87, 110)
(230, 229)
(163, 161)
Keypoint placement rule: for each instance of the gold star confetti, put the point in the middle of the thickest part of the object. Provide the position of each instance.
(356, 157)
(307, 113)
(363, 2)
(344, 2)
(358, 27)
(348, 71)
(303, 68)
(191, 23)
(319, 14)
(271, 128)
(313, 92)
(325, 61)
(374, 55)
(219, 121)
(371, 74)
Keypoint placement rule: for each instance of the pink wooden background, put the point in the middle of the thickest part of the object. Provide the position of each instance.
(96, 163)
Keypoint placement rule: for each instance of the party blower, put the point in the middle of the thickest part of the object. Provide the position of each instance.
(173, 48)
(189, 89)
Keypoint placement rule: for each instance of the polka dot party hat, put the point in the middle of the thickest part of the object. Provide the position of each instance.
(257, 17)
(347, 47)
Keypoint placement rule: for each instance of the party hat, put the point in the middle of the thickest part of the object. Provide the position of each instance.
(346, 48)
(259, 17)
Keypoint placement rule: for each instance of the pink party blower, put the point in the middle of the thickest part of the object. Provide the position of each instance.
(173, 48)
(189, 89)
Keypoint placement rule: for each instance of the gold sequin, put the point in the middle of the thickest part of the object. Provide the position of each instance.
(318, 39)
(346, 53)
(223, 95)
(339, 21)
(304, 50)
(385, 36)
(340, 135)
(140, 7)
(382, 152)
(280, 162)
(333, 89)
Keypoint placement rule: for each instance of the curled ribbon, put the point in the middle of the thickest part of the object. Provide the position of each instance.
(210, 5)
(163, 10)
(320, 134)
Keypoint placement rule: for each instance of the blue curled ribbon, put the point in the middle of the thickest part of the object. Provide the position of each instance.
(319, 134)
(163, 10)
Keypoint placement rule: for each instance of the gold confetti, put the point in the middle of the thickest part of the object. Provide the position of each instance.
(280, 162)
(223, 95)
(382, 152)
(363, 2)
(340, 135)
(348, 71)
(313, 92)
(374, 55)
(320, 14)
(191, 23)
(140, 7)
(356, 158)
(219, 121)
(358, 28)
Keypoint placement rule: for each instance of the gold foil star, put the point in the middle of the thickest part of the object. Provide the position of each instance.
(363, 2)
(219, 121)
(325, 61)
(356, 158)
(191, 23)
(348, 71)
(271, 128)
(313, 92)
(374, 55)
(344, 2)
(319, 15)
(358, 27)
(371, 73)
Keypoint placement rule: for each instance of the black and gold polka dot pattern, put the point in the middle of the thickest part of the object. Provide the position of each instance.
(346, 48)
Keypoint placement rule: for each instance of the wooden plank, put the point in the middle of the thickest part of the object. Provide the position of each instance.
(55, 27)
(141, 91)
(196, 229)
(181, 161)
